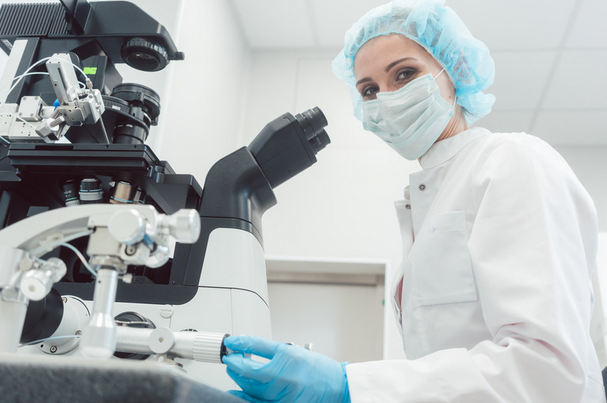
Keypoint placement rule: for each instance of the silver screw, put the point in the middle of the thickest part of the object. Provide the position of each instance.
(78, 332)
(53, 349)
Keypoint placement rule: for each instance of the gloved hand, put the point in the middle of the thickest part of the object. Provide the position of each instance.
(293, 374)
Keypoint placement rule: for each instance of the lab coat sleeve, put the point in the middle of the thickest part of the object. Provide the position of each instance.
(533, 247)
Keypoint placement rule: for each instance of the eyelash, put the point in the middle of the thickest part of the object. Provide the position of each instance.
(370, 91)
(410, 73)
(365, 91)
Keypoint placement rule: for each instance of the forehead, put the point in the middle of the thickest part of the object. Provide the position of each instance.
(382, 50)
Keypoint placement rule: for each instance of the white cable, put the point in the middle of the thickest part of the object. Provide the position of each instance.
(107, 139)
(21, 119)
(77, 235)
(76, 251)
(81, 257)
(49, 247)
(27, 71)
(79, 69)
(21, 76)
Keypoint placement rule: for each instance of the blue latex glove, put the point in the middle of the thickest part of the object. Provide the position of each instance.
(293, 374)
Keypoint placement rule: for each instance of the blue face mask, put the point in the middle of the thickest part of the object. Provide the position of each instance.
(409, 119)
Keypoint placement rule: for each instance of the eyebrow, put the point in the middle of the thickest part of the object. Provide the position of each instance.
(363, 80)
(394, 63)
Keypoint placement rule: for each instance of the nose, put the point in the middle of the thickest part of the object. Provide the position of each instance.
(391, 87)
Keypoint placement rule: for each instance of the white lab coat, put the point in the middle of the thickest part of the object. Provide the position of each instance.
(500, 240)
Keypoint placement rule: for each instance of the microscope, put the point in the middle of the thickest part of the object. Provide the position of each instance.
(109, 258)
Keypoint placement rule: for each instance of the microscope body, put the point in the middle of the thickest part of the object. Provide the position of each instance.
(66, 144)
(231, 298)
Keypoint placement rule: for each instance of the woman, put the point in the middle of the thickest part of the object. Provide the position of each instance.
(494, 295)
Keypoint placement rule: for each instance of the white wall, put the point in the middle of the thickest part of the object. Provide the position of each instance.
(201, 114)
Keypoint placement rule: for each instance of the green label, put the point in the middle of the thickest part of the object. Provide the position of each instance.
(90, 70)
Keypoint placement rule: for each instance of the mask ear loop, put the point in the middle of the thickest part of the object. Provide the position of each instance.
(455, 100)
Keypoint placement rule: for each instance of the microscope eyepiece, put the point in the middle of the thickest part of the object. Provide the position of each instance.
(319, 141)
(289, 144)
(313, 122)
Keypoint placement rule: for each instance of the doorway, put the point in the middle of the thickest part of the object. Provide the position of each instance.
(336, 306)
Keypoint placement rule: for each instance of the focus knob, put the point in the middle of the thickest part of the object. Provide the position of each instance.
(127, 226)
(184, 225)
(37, 283)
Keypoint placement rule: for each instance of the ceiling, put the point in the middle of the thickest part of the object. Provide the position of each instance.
(551, 55)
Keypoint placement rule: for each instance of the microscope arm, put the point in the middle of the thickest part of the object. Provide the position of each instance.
(38, 234)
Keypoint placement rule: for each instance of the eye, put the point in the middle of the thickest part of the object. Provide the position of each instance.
(405, 74)
(369, 92)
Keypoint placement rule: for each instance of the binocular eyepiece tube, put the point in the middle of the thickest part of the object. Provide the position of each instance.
(289, 144)
(312, 123)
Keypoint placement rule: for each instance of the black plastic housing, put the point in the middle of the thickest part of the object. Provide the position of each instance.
(109, 23)
(31, 181)
(245, 192)
(288, 145)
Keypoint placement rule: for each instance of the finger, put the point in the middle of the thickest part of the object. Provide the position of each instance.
(259, 390)
(245, 383)
(241, 365)
(253, 345)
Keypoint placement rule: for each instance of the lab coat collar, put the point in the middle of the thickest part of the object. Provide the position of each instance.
(442, 151)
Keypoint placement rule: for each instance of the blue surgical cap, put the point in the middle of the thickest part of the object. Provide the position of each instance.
(442, 33)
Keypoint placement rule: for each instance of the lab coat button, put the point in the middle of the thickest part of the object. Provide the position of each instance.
(422, 187)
